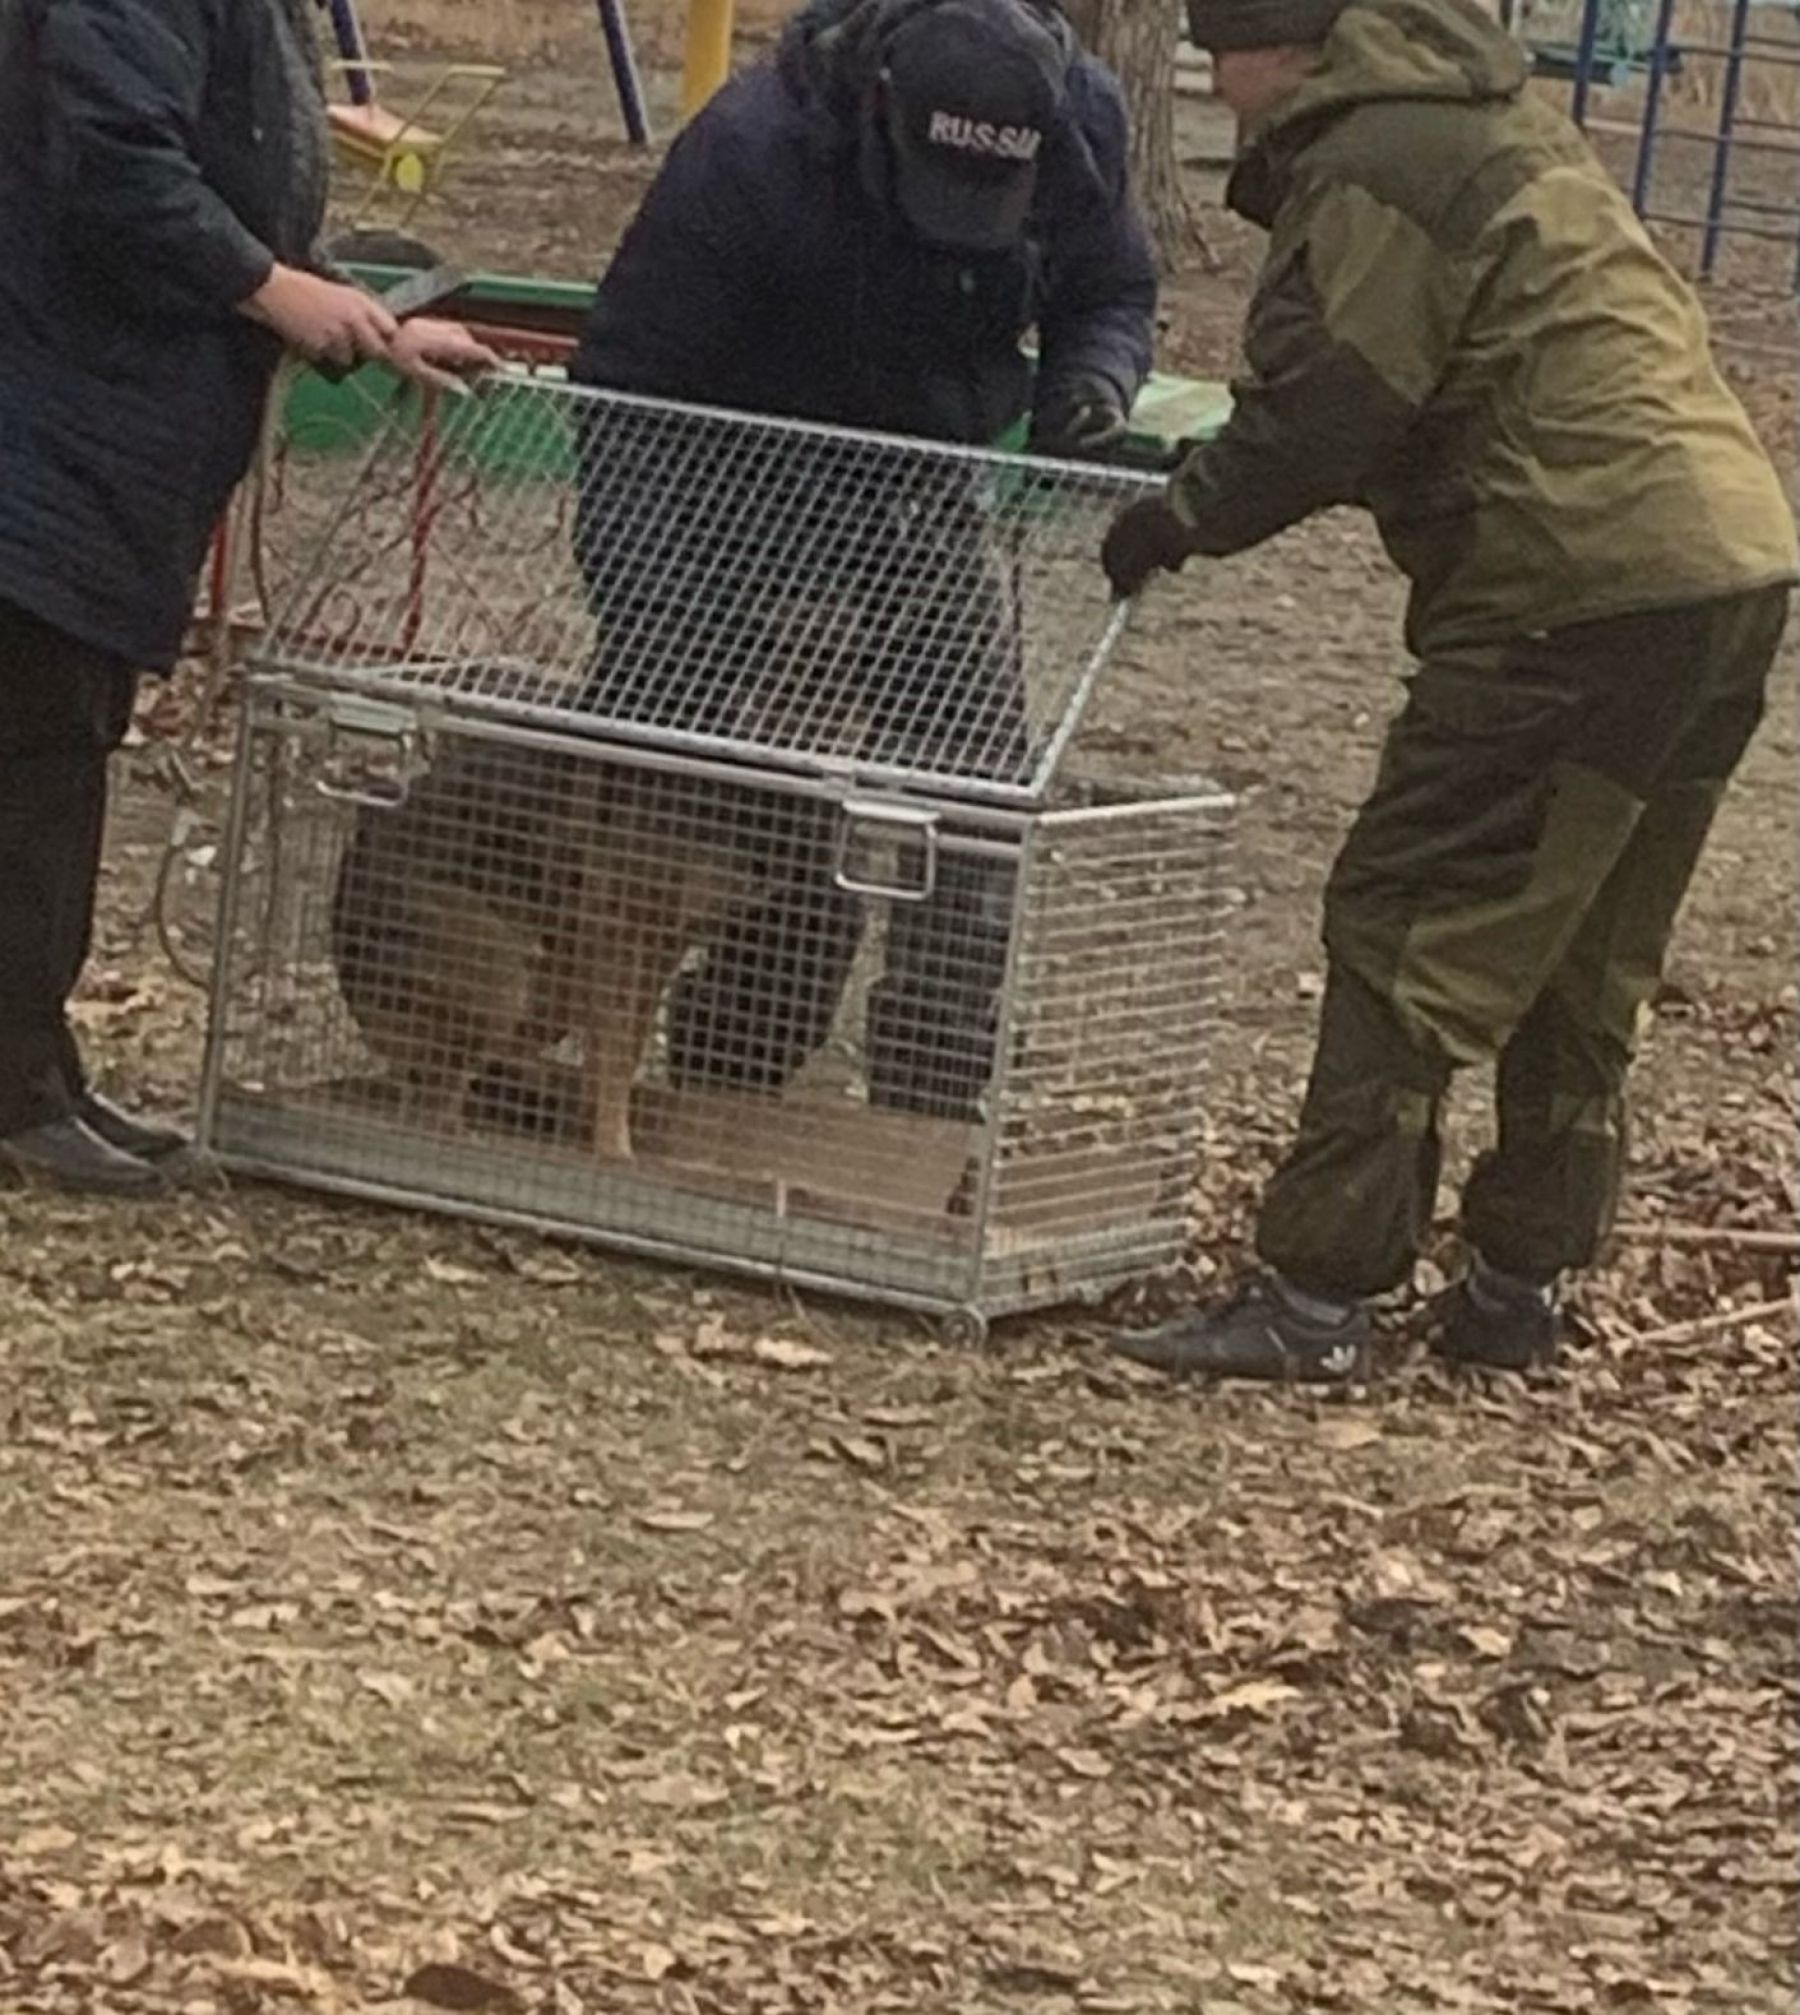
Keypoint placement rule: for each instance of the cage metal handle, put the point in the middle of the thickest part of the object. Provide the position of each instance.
(378, 793)
(917, 824)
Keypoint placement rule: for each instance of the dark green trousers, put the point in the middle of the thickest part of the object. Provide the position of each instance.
(1507, 893)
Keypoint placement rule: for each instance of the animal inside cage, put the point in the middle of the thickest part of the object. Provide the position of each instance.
(653, 825)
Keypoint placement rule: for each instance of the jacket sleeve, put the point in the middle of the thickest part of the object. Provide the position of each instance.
(123, 85)
(1353, 318)
(671, 311)
(1099, 313)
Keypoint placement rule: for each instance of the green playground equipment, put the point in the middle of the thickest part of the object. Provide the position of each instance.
(535, 322)
(1602, 42)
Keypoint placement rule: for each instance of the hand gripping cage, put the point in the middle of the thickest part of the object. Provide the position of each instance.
(653, 825)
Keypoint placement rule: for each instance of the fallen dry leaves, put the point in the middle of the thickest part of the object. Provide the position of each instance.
(365, 1649)
(397, 1615)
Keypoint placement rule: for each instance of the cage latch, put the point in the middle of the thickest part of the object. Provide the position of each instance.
(887, 847)
(371, 756)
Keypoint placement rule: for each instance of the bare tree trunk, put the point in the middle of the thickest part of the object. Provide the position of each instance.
(1136, 40)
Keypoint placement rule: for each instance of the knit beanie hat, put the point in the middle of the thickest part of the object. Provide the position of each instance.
(1259, 24)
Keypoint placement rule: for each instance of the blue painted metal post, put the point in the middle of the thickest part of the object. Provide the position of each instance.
(1719, 187)
(347, 33)
(1585, 43)
(1653, 94)
(625, 72)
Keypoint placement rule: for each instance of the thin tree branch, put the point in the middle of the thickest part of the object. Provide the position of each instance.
(1741, 1238)
(1718, 1324)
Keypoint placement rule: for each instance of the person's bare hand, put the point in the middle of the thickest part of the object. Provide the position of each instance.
(439, 354)
(324, 320)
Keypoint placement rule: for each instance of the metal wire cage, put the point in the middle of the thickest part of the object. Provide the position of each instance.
(718, 582)
(652, 826)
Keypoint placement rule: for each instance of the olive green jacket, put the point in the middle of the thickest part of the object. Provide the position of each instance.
(1461, 325)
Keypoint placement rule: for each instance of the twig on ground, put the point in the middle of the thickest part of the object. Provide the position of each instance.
(814, 1324)
(1746, 1238)
(1716, 1324)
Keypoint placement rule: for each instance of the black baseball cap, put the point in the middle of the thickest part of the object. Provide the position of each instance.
(973, 88)
(1225, 25)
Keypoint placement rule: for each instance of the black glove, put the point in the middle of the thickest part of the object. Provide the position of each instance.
(1144, 539)
(1073, 421)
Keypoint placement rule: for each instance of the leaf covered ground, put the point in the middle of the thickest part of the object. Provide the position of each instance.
(377, 1594)
(397, 1614)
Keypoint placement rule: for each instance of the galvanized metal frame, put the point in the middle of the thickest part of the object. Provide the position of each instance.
(284, 1152)
(966, 1267)
(1094, 1260)
(292, 641)
(967, 1285)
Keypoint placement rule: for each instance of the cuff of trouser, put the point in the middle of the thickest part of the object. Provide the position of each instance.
(34, 1080)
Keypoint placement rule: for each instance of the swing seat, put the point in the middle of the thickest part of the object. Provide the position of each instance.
(399, 150)
(402, 154)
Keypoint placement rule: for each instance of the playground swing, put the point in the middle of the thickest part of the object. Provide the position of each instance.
(1607, 44)
(402, 152)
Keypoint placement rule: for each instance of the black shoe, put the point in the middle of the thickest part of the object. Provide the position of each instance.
(1496, 1330)
(1258, 1333)
(130, 1136)
(68, 1154)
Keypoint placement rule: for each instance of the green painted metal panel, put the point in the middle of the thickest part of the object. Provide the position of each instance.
(322, 418)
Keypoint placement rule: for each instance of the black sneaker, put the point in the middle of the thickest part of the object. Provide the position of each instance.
(141, 1138)
(1258, 1333)
(67, 1154)
(1495, 1330)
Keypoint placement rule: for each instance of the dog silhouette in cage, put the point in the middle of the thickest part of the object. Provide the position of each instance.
(518, 901)
(517, 936)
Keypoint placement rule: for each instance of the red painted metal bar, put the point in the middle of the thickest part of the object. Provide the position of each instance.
(424, 516)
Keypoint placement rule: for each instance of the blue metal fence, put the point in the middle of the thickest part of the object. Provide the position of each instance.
(1700, 111)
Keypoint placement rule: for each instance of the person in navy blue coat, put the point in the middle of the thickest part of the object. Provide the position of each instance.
(862, 229)
(163, 167)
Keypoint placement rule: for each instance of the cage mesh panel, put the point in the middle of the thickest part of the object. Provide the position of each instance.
(413, 995)
(1115, 988)
(444, 950)
(755, 587)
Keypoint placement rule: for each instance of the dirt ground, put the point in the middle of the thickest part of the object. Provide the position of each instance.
(396, 1612)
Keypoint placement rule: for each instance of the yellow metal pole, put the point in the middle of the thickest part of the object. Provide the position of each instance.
(707, 60)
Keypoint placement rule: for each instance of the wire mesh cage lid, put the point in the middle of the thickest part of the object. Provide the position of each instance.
(765, 589)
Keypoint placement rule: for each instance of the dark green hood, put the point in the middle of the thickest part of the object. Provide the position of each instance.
(1431, 51)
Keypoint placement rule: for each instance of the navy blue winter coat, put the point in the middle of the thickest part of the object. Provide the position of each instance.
(770, 270)
(155, 157)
